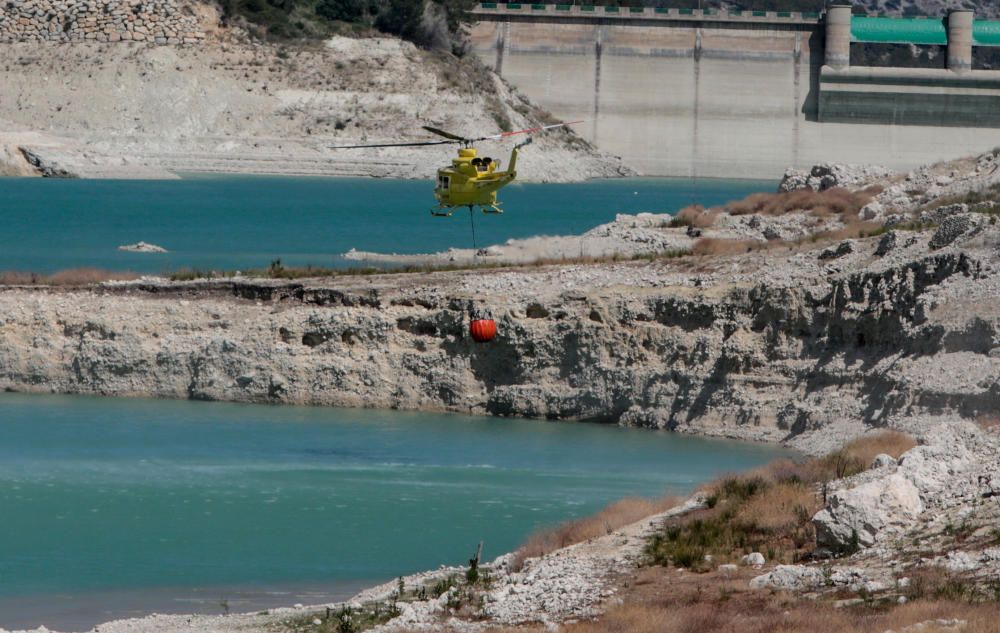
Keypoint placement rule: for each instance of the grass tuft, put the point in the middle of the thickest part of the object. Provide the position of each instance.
(611, 518)
(767, 510)
(836, 201)
(68, 277)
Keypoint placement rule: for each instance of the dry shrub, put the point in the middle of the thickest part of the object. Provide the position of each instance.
(746, 513)
(764, 612)
(767, 509)
(68, 277)
(717, 246)
(15, 278)
(84, 276)
(614, 516)
(696, 216)
(781, 507)
(989, 422)
(836, 201)
(856, 456)
(891, 443)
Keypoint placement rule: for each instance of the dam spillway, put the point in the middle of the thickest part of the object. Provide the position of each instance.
(744, 94)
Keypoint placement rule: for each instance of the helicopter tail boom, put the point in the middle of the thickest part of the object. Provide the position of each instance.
(512, 165)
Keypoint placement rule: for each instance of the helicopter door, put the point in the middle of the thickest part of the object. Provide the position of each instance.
(444, 182)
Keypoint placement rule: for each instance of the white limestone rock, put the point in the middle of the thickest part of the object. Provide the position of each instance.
(872, 211)
(789, 577)
(883, 461)
(829, 175)
(142, 247)
(868, 510)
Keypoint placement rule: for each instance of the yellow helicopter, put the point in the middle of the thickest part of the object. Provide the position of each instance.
(470, 181)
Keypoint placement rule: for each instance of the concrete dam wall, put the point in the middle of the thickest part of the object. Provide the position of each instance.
(691, 94)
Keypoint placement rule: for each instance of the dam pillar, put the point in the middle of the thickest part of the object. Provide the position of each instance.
(960, 41)
(838, 35)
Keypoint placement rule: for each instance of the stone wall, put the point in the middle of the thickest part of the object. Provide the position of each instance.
(156, 21)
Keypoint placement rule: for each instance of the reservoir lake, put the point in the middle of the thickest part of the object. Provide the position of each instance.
(241, 222)
(119, 508)
(122, 507)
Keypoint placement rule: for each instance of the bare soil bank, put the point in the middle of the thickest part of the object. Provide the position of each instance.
(232, 105)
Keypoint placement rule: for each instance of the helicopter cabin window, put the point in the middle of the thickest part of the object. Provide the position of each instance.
(443, 182)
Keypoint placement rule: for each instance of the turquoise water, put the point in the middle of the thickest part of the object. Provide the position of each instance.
(117, 507)
(238, 222)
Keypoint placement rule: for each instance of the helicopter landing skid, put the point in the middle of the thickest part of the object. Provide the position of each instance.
(446, 212)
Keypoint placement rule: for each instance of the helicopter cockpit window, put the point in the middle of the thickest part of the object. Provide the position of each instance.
(443, 182)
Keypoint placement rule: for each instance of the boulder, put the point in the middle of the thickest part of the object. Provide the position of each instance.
(844, 248)
(755, 559)
(828, 175)
(932, 467)
(790, 577)
(886, 244)
(962, 225)
(142, 247)
(883, 461)
(872, 211)
(858, 516)
(793, 180)
(936, 216)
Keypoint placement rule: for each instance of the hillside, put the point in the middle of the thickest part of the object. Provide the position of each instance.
(234, 103)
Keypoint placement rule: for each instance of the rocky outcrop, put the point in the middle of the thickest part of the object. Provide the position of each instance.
(829, 175)
(855, 517)
(947, 471)
(771, 346)
(803, 578)
(44, 166)
(142, 247)
(955, 227)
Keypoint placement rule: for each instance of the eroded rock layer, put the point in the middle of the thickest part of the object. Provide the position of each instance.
(769, 345)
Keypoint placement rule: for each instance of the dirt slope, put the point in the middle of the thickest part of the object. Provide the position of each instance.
(234, 105)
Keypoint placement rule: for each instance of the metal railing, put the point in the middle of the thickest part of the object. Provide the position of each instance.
(590, 10)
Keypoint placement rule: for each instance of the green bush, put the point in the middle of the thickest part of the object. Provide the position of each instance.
(343, 10)
(301, 19)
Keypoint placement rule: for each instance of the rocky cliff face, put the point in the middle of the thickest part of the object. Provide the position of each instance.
(772, 346)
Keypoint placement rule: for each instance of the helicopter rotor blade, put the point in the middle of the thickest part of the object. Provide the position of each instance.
(530, 130)
(449, 135)
(455, 139)
(414, 144)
